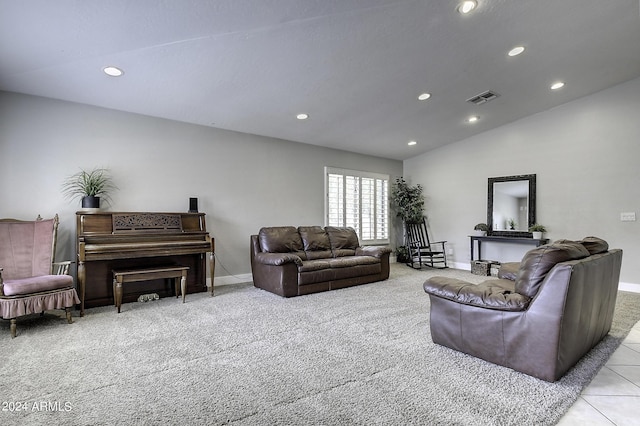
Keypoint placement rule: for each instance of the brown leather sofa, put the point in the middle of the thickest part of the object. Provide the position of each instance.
(557, 305)
(291, 261)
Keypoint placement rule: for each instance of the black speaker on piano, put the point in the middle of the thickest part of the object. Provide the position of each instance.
(193, 205)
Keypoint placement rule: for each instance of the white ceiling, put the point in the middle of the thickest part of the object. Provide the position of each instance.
(355, 66)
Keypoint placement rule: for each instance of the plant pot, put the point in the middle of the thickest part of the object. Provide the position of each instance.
(537, 235)
(479, 233)
(90, 202)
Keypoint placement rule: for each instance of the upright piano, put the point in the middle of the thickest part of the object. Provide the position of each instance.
(125, 240)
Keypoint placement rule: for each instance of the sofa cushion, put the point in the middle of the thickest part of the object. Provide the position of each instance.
(357, 271)
(320, 270)
(314, 265)
(320, 275)
(351, 261)
(315, 271)
(344, 241)
(538, 262)
(280, 239)
(36, 284)
(321, 254)
(316, 242)
(595, 245)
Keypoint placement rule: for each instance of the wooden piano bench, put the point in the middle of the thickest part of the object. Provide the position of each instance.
(145, 274)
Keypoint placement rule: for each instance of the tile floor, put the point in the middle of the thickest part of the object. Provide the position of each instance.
(613, 396)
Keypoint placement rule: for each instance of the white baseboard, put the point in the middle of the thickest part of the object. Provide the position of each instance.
(231, 279)
(634, 288)
(459, 265)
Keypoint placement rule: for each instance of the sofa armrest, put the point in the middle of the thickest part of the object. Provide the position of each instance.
(375, 251)
(509, 271)
(277, 259)
(493, 294)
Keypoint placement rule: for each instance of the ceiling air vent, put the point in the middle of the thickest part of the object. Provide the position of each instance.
(483, 97)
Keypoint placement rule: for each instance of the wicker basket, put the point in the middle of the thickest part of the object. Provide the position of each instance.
(482, 267)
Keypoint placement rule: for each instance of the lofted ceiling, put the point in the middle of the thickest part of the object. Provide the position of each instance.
(356, 67)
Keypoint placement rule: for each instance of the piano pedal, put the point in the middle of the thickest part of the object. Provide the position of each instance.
(148, 297)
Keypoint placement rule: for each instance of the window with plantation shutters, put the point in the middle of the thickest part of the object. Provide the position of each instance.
(359, 200)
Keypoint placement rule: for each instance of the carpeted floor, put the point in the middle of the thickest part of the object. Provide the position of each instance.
(361, 355)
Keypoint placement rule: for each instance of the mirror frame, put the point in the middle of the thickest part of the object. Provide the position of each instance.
(532, 205)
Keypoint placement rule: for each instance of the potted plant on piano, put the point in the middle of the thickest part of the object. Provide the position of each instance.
(90, 186)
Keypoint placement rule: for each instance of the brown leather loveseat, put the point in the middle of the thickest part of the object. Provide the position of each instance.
(539, 318)
(291, 261)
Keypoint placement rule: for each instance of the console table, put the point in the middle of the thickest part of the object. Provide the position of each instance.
(498, 239)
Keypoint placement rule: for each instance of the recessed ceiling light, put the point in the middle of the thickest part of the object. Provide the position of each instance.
(557, 85)
(473, 119)
(302, 116)
(467, 6)
(113, 71)
(516, 51)
(412, 143)
(424, 96)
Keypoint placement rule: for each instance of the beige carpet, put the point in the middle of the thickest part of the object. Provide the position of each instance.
(361, 356)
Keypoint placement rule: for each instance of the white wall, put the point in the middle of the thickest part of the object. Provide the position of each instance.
(586, 156)
(243, 182)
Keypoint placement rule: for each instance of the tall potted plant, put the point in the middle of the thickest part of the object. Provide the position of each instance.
(408, 201)
(90, 186)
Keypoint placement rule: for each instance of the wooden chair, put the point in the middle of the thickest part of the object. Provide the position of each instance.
(420, 250)
(30, 281)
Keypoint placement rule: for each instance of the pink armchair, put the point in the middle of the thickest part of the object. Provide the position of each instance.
(30, 281)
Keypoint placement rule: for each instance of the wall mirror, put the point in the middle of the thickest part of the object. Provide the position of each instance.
(511, 205)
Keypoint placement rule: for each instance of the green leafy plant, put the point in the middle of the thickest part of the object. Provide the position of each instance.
(93, 183)
(402, 254)
(481, 227)
(408, 201)
(512, 223)
(537, 228)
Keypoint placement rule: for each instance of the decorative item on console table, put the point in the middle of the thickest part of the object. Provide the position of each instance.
(90, 186)
(481, 229)
(537, 231)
